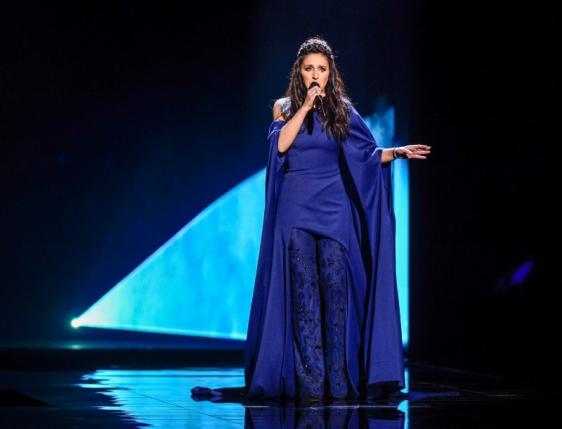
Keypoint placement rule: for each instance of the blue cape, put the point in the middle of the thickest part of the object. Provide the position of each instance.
(373, 333)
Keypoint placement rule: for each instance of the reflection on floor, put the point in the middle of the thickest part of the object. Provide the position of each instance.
(434, 398)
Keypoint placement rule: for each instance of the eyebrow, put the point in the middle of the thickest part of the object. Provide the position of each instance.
(321, 65)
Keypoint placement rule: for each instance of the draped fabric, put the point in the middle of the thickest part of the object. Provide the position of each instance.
(342, 192)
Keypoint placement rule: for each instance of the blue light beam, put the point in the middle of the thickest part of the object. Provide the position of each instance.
(199, 282)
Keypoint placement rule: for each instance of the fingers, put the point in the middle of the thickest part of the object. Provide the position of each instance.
(419, 149)
(415, 154)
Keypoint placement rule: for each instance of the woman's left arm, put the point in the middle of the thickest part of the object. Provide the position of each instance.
(413, 151)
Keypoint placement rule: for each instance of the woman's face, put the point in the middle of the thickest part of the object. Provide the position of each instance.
(315, 68)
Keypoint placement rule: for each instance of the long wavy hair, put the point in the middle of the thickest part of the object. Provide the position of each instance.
(336, 102)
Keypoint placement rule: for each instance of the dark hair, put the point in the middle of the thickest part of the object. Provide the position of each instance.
(336, 102)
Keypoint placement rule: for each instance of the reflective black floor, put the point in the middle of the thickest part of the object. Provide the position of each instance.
(108, 398)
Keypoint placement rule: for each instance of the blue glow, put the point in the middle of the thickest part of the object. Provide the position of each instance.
(522, 272)
(200, 282)
(381, 125)
(401, 196)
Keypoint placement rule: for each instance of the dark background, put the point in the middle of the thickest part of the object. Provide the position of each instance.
(120, 122)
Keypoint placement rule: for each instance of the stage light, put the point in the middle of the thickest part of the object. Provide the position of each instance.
(522, 273)
(381, 125)
(200, 281)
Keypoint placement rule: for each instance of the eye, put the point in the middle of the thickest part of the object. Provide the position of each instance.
(308, 68)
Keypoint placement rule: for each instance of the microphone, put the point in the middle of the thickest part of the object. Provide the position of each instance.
(317, 106)
(317, 99)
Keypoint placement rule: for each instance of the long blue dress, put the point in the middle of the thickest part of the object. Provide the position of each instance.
(342, 192)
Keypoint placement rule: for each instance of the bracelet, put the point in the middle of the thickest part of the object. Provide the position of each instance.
(395, 156)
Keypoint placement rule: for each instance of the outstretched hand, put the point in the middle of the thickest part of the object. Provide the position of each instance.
(413, 151)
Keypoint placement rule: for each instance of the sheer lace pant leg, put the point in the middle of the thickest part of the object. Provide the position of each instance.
(307, 317)
(333, 287)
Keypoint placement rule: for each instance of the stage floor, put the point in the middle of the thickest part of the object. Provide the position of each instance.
(128, 397)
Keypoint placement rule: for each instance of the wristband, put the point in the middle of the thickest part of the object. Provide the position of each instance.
(395, 155)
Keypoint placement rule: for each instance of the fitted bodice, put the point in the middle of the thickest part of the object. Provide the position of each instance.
(314, 152)
(313, 195)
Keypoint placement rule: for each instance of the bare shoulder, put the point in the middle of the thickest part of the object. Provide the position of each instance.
(279, 109)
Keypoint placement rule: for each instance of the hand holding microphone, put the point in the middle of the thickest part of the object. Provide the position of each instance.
(313, 99)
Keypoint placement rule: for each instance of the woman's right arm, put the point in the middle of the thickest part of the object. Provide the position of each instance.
(291, 128)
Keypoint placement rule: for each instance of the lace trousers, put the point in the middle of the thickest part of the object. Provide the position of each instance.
(318, 283)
